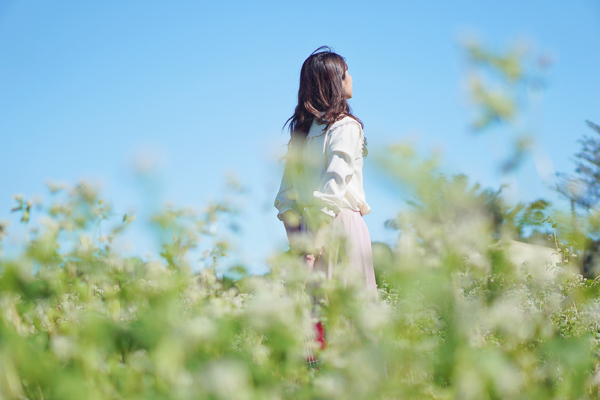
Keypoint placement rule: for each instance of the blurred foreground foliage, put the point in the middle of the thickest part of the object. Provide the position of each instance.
(457, 317)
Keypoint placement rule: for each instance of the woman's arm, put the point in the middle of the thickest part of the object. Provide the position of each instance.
(342, 149)
(285, 202)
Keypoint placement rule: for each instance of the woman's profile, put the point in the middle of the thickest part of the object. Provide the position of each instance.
(321, 193)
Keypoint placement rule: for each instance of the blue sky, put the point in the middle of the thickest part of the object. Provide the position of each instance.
(86, 88)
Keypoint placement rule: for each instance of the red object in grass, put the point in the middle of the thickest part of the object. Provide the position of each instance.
(319, 338)
(320, 334)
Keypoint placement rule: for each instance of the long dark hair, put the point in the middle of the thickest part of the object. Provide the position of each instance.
(321, 95)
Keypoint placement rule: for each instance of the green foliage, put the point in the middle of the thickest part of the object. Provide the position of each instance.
(583, 188)
(456, 318)
(500, 104)
(499, 85)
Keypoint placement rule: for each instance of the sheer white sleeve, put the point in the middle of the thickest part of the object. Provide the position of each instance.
(286, 198)
(342, 149)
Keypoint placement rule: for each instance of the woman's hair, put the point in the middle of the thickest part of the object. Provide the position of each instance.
(321, 94)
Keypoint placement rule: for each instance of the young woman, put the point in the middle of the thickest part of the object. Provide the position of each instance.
(321, 195)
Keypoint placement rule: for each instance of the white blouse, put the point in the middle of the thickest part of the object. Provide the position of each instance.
(328, 175)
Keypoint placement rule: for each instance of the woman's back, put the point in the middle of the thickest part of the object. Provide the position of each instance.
(326, 170)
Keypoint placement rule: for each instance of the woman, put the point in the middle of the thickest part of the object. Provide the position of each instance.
(321, 191)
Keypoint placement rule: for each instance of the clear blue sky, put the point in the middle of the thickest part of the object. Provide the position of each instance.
(86, 87)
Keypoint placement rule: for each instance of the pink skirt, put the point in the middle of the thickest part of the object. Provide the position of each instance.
(348, 252)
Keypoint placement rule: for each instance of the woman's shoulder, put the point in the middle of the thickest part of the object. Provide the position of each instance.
(346, 127)
(342, 124)
(345, 121)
